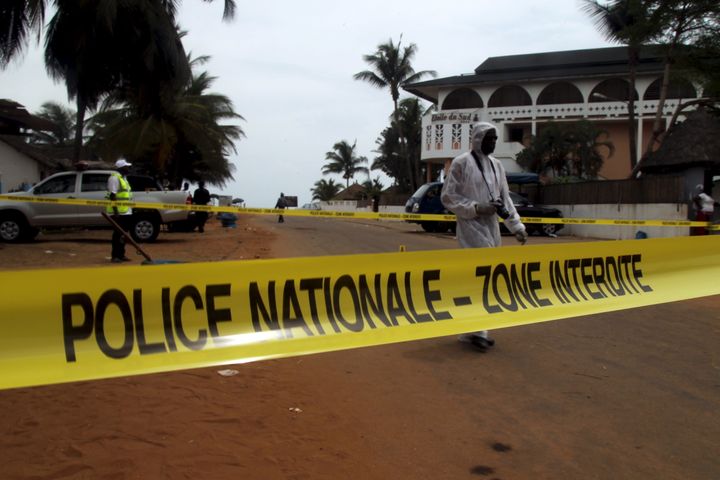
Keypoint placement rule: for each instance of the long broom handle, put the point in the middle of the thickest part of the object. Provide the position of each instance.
(120, 230)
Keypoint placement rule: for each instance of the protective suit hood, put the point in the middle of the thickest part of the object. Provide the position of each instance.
(481, 128)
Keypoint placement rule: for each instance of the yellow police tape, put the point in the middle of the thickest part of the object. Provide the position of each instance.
(352, 214)
(91, 323)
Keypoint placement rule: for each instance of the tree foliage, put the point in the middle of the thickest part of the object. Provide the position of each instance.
(372, 188)
(99, 46)
(686, 31)
(344, 161)
(63, 119)
(325, 190)
(632, 23)
(567, 150)
(96, 51)
(686, 26)
(20, 19)
(389, 159)
(179, 137)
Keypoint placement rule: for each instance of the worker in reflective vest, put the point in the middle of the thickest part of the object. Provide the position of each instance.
(119, 189)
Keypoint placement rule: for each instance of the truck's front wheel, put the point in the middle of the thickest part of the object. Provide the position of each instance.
(429, 226)
(145, 228)
(14, 228)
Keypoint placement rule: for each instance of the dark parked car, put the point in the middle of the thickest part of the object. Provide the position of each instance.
(427, 200)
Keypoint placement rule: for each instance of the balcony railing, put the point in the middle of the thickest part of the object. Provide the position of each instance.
(440, 129)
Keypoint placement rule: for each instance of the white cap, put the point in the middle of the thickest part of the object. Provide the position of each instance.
(122, 163)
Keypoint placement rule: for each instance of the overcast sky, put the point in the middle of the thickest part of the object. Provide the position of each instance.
(288, 68)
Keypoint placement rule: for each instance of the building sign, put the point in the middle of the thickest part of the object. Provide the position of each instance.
(454, 117)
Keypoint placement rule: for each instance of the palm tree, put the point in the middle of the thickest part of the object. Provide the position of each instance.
(410, 113)
(586, 141)
(325, 190)
(372, 188)
(388, 159)
(141, 46)
(391, 68)
(19, 19)
(682, 22)
(95, 46)
(63, 119)
(180, 137)
(344, 161)
(633, 23)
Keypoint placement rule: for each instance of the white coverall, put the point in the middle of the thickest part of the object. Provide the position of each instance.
(704, 201)
(465, 187)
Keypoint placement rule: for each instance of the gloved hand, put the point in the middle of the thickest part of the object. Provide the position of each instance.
(521, 236)
(484, 209)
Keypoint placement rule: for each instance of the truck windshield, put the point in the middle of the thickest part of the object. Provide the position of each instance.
(421, 191)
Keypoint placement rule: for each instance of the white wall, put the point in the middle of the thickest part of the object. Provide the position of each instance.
(16, 168)
(351, 206)
(649, 211)
(339, 205)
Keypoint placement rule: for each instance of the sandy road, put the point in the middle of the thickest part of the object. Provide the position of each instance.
(621, 395)
(628, 395)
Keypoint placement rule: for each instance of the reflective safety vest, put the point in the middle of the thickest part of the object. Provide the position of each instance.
(123, 194)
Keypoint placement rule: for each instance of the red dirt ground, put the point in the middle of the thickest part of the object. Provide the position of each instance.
(590, 399)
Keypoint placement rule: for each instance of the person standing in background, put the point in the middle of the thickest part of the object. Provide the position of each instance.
(201, 196)
(281, 204)
(118, 188)
(704, 208)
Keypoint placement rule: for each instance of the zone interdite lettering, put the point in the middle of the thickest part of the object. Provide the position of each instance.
(514, 287)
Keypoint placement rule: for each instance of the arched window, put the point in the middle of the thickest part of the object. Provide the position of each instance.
(611, 90)
(678, 88)
(560, 92)
(509, 96)
(462, 98)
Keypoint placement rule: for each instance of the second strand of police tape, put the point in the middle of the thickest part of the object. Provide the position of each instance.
(353, 214)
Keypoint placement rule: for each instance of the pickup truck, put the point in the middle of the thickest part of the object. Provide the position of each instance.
(20, 221)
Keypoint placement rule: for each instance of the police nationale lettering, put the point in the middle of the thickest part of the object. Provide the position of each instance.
(94, 315)
(376, 300)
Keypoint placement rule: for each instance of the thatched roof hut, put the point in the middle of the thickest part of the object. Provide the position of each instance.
(353, 192)
(14, 117)
(691, 144)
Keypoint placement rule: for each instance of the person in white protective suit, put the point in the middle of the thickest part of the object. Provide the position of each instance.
(476, 191)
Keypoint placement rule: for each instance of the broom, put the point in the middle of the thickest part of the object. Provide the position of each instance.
(148, 260)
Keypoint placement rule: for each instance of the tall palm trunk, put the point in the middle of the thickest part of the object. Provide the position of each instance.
(658, 129)
(79, 128)
(403, 148)
(634, 60)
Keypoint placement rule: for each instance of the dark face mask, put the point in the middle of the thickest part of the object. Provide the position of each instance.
(488, 144)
